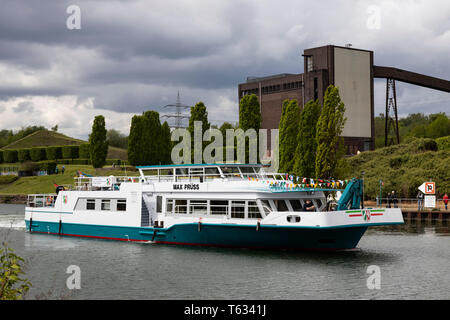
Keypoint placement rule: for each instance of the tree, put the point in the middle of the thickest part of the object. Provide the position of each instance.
(289, 122)
(249, 117)
(152, 136)
(328, 137)
(117, 139)
(98, 143)
(136, 141)
(305, 154)
(166, 144)
(198, 113)
(12, 286)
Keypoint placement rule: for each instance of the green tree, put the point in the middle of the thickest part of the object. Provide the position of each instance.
(198, 113)
(249, 117)
(117, 139)
(439, 127)
(330, 144)
(289, 127)
(305, 154)
(12, 286)
(166, 144)
(98, 142)
(153, 138)
(136, 141)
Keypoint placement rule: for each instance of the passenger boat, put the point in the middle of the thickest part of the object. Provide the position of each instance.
(224, 205)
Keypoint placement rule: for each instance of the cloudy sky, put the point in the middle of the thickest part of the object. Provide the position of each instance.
(130, 56)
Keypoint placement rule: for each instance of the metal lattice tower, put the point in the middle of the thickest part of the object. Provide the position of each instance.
(391, 104)
(178, 115)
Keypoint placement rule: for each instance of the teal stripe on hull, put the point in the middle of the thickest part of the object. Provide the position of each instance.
(218, 235)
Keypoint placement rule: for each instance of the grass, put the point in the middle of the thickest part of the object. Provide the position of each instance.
(43, 138)
(46, 138)
(403, 168)
(45, 184)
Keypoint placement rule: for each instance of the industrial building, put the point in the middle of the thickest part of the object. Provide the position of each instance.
(349, 69)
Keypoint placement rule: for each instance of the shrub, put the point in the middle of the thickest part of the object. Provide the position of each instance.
(81, 161)
(29, 166)
(83, 151)
(1, 156)
(443, 143)
(8, 179)
(54, 153)
(70, 152)
(38, 154)
(427, 145)
(10, 156)
(23, 155)
(48, 166)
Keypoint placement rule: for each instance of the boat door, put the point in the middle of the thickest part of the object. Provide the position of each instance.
(148, 212)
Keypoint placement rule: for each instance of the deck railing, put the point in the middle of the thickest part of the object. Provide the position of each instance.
(41, 200)
(412, 204)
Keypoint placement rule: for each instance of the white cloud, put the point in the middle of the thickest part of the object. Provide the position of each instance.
(74, 118)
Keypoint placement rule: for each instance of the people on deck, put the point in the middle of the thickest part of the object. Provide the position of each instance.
(445, 198)
(309, 206)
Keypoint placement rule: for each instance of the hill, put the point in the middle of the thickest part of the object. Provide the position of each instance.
(46, 138)
(403, 168)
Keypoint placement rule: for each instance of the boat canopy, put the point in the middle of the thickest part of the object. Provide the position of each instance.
(206, 172)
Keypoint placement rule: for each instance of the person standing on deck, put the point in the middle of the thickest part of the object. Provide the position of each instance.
(445, 198)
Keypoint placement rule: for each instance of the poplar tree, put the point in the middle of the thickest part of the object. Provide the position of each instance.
(166, 144)
(305, 154)
(152, 138)
(98, 144)
(198, 113)
(136, 141)
(289, 126)
(249, 118)
(328, 137)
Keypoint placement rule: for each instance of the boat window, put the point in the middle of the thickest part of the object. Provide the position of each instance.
(247, 171)
(169, 206)
(238, 209)
(106, 204)
(229, 171)
(198, 206)
(280, 205)
(266, 206)
(121, 205)
(296, 205)
(90, 204)
(158, 203)
(181, 206)
(219, 207)
(253, 210)
(212, 173)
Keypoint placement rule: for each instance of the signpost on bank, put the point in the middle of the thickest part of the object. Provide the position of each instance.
(429, 189)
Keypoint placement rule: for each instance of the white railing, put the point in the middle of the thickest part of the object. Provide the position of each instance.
(41, 200)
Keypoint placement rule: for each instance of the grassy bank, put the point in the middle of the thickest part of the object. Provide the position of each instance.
(45, 184)
(403, 168)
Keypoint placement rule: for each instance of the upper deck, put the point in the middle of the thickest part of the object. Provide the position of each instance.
(206, 172)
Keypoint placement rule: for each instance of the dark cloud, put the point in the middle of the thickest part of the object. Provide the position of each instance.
(133, 55)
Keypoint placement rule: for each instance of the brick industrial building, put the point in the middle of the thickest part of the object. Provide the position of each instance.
(349, 69)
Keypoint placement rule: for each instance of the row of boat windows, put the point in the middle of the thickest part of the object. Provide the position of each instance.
(235, 208)
(248, 209)
(101, 204)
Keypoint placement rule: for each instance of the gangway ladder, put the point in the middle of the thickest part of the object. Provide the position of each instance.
(145, 215)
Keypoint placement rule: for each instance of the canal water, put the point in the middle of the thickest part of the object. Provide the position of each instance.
(412, 262)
